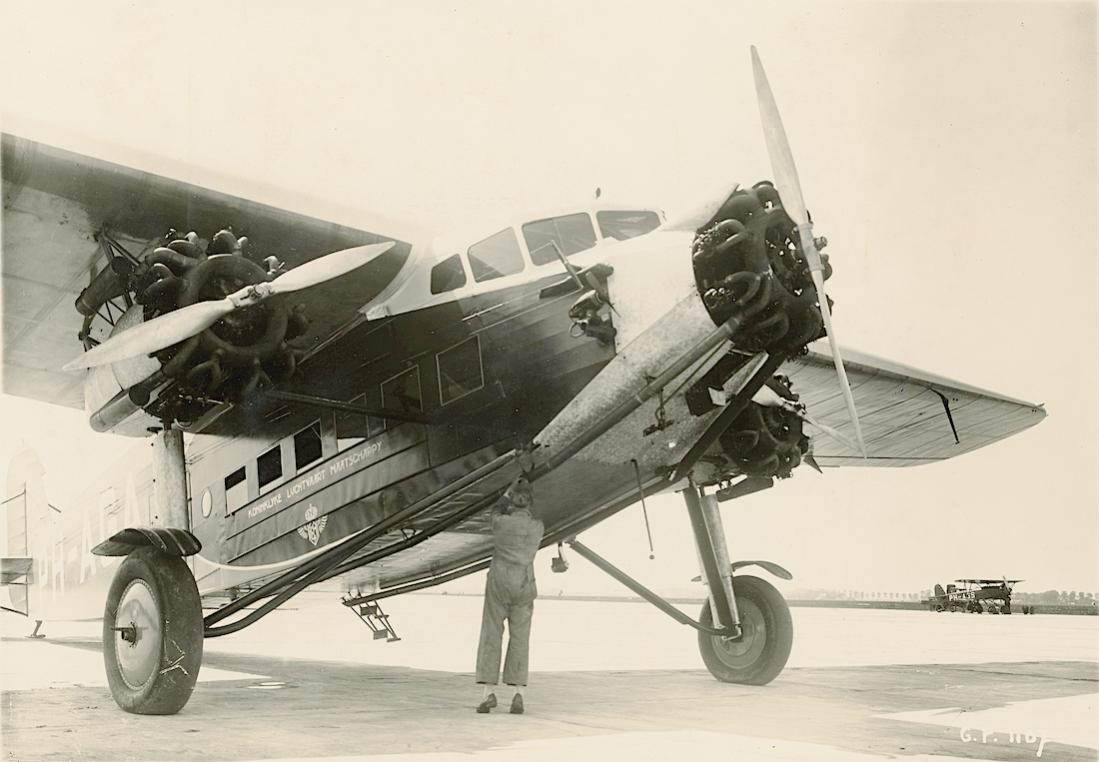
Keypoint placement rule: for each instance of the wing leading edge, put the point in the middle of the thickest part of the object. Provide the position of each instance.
(57, 206)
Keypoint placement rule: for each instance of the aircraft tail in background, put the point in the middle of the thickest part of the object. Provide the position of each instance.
(29, 524)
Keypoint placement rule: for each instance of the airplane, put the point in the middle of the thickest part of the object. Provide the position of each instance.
(975, 596)
(325, 401)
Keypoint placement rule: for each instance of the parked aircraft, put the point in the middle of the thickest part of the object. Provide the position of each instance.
(331, 401)
(975, 596)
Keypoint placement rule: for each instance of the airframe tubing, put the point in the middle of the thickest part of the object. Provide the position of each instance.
(645, 592)
(477, 562)
(724, 332)
(294, 580)
(342, 551)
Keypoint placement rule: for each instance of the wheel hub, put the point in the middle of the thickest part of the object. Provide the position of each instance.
(138, 624)
(745, 650)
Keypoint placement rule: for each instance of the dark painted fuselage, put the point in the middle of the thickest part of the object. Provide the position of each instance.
(530, 367)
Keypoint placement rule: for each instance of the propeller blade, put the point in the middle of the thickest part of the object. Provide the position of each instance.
(163, 331)
(778, 147)
(837, 360)
(173, 327)
(841, 438)
(789, 190)
(327, 267)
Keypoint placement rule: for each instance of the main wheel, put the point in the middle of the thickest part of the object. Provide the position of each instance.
(152, 633)
(761, 652)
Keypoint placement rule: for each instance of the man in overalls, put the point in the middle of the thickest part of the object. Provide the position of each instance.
(509, 594)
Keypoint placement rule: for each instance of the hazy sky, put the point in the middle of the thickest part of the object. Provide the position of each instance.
(947, 150)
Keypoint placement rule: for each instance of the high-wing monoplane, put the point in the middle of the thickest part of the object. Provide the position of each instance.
(328, 400)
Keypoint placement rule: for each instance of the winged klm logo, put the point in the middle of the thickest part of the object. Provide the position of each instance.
(312, 530)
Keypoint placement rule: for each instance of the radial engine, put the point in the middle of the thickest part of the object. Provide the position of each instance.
(246, 350)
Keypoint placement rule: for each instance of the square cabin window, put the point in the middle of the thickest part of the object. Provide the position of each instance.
(269, 467)
(402, 392)
(352, 428)
(623, 225)
(307, 446)
(236, 490)
(448, 275)
(570, 233)
(460, 370)
(496, 256)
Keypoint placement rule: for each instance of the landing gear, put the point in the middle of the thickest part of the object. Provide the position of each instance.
(767, 633)
(152, 633)
(755, 620)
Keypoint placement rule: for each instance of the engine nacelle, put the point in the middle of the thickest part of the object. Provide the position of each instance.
(244, 351)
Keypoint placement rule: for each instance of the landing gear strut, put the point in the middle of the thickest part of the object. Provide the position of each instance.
(152, 623)
(749, 640)
(755, 630)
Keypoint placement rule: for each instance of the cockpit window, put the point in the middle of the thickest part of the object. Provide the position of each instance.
(496, 256)
(623, 225)
(448, 275)
(570, 233)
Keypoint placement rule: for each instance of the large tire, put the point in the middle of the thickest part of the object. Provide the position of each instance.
(155, 593)
(768, 633)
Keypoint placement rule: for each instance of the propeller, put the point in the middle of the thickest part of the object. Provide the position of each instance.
(177, 325)
(766, 396)
(789, 190)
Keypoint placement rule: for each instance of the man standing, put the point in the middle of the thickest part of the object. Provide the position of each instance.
(509, 594)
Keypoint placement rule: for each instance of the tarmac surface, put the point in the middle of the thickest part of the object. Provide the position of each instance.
(609, 681)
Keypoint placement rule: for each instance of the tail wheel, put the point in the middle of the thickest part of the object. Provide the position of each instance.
(152, 633)
(758, 656)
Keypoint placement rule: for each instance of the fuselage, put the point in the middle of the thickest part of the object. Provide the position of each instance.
(490, 363)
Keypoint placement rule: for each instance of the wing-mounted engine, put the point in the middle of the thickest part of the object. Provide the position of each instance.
(765, 438)
(243, 350)
(246, 349)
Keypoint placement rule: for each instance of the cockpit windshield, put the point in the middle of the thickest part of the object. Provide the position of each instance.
(627, 224)
(570, 233)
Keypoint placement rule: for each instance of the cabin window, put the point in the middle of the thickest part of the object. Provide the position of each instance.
(448, 275)
(236, 490)
(352, 428)
(402, 393)
(269, 467)
(460, 370)
(570, 233)
(307, 446)
(496, 256)
(623, 225)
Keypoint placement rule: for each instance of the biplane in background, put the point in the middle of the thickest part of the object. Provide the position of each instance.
(325, 400)
(975, 596)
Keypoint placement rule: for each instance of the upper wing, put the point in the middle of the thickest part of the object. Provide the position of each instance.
(908, 416)
(60, 207)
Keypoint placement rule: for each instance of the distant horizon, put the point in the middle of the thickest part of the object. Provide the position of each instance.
(948, 151)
